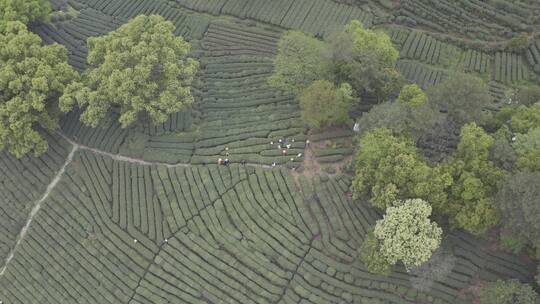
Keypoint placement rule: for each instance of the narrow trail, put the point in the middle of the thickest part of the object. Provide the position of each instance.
(37, 206)
(139, 161)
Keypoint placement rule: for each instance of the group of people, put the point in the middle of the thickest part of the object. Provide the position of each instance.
(283, 144)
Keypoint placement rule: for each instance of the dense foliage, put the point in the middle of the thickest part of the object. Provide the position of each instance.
(371, 258)
(301, 59)
(463, 96)
(32, 77)
(25, 11)
(476, 178)
(518, 199)
(389, 169)
(407, 234)
(142, 68)
(322, 104)
(366, 59)
(508, 292)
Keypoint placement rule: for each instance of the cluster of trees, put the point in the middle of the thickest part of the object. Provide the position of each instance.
(142, 70)
(330, 76)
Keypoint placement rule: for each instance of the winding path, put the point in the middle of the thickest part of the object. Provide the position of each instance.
(38, 203)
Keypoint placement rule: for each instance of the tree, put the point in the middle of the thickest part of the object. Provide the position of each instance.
(366, 59)
(412, 96)
(502, 154)
(527, 94)
(407, 234)
(400, 118)
(463, 96)
(528, 150)
(25, 11)
(369, 255)
(322, 104)
(525, 118)
(32, 77)
(518, 200)
(475, 182)
(301, 59)
(142, 68)
(389, 169)
(508, 292)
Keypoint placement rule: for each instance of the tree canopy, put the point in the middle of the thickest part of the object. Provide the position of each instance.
(475, 182)
(528, 150)
(524, 118)
(301, 59)
(407, 234)
(463, 96)
(389, 169)
(366, 59)
(142, 68)
(518, 200)
(32, 77)
(25, 11)
(412, 96)
(323, 104)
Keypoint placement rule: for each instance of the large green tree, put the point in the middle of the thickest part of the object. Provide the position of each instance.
(26, 11)
(388, 168)
(411, 115)
(366, 59)
(508, 292)
(463, 96)
(32, 77)
(142, 68)
(323, 104)
(518, 200)
(407, 234)
(301, 59)
(475, 178)
(528, 150)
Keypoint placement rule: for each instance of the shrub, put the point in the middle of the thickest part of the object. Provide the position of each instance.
(508, 292)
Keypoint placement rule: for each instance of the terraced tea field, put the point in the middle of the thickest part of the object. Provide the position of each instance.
(145, 215)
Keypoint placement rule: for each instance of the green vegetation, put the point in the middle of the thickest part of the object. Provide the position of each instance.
(406, 234)
(388, 168)
(32, 77)
(508, 292)
(518, 199)
(412, 96)
(463, 96)
(25, 11)
(129, 205)
(322, 104)
(142, 68)
(372, 259)
(301, 59)
(476, 178)
(366, 59)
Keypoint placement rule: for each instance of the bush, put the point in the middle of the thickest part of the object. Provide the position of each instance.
(508, 292)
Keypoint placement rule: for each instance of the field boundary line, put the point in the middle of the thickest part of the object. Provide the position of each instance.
(37, 206)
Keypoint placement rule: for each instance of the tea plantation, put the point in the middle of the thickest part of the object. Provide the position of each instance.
(146, 215)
